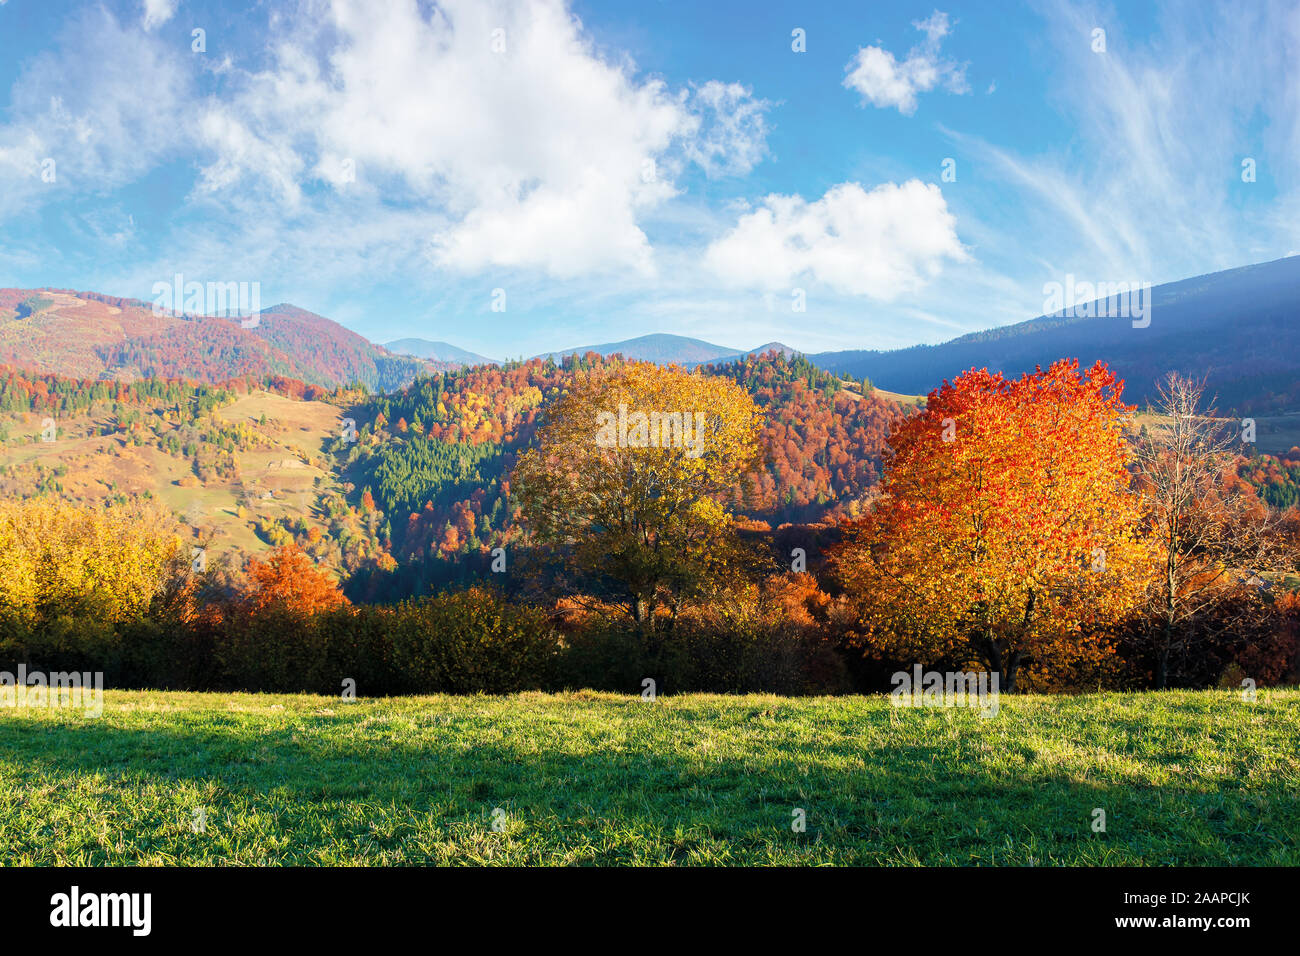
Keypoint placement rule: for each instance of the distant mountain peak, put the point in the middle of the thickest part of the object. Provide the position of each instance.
(437, 352)
(779, 347)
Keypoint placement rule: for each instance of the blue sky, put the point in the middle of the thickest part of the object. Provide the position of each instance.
(618, 169)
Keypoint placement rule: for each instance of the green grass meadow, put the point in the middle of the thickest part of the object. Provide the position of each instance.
(588, 778)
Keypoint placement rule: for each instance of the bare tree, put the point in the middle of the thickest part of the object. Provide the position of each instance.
(1212, 536)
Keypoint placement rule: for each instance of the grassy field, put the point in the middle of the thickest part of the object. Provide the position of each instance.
(1184, 778)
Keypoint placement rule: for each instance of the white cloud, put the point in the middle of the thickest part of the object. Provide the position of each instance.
(240, 150)
(542, 161)
(886, 82)
(732, 129)
(879, 243)
(79, 104)
(528, 148)
(158, 12)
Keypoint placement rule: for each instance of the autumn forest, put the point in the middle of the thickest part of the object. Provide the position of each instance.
(822, 536)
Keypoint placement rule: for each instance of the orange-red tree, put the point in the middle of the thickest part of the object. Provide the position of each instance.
(1006, 533)
(288, 581)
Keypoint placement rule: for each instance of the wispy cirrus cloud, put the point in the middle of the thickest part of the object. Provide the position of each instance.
(730, 128)
(1151, 181)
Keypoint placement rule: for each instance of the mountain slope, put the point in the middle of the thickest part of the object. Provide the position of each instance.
(660, 347)
(87, 335)
(1238, 328)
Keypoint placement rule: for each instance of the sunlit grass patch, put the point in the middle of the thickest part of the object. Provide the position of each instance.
(174, 778)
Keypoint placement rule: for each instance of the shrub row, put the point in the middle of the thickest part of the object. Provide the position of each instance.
(457, 642)
(474, 641)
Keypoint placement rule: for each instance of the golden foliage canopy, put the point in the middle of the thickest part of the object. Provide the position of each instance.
(59, 558)
(629, 474)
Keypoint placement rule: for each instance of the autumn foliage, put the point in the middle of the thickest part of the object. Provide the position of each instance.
(289, 582)
(632, 506)
(1007, 533)
(1018, 527)
(58, 559)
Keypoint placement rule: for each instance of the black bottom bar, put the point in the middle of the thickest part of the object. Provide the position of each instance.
(339, 906)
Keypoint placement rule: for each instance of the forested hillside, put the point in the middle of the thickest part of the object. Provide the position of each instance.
(416, 492)
(1276, 478)
(435, 459)
(417, 489)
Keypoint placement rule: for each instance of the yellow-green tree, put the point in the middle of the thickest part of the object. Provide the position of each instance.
(62, 559)
(627, 478)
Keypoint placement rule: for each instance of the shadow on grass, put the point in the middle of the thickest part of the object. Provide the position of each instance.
(334, 786)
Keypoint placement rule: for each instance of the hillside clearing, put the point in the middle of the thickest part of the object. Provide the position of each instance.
(275, 479)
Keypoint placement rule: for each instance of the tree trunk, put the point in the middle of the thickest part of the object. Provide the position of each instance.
(1000, 664)
(1009, 673)
(1171, 613)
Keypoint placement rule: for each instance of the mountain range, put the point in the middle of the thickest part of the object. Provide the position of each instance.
(87, 335)
(665, 348)
(1237, 328)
